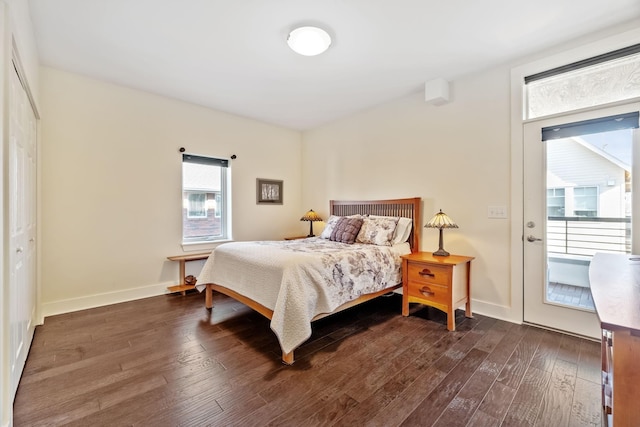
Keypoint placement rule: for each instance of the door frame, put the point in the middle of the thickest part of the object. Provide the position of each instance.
(537, 311)
(6, 407)
(572, 54)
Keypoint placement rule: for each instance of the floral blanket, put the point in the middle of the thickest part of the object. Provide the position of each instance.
(299, 279)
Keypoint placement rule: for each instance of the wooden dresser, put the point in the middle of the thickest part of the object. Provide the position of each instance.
(442, 282)
(615, 286)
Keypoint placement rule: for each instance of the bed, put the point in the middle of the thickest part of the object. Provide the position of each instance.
(296, 282)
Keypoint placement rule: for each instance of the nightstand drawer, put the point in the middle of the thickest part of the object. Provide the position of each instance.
(435, 293)
(429, 274)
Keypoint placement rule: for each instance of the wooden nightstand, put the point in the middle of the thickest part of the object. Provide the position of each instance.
(437, 281)
(295, 237)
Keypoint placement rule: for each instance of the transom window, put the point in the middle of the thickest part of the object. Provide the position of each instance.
(593, 81)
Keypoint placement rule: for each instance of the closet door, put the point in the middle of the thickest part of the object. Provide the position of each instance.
(22, 227)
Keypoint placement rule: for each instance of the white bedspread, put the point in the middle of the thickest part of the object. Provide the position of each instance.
(299, 279)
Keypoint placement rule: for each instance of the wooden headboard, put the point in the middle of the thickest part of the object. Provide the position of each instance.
(408, 208)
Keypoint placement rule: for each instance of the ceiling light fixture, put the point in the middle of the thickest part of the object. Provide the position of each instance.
(309, 41)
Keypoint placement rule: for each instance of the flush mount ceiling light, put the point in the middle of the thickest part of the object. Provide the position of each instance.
(309, 41)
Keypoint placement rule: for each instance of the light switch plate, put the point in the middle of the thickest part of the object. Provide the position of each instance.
(497, 212)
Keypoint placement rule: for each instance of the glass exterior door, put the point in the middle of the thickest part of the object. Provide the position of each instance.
(578, 180)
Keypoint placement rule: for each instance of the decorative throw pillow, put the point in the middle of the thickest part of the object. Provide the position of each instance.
(329, 226)
(378, 231)
(346, 230)
(403, 230)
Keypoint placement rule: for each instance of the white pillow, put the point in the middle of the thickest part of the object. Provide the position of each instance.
(329, 225)
(405, 225)
(403, 230)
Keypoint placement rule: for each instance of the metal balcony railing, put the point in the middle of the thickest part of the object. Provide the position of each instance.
(588, 235)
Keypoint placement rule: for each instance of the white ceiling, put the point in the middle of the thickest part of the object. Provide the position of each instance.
(232, 55)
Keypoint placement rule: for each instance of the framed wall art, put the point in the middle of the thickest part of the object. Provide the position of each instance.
(268, 191)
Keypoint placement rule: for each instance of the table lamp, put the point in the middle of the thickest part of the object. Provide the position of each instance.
(311, 216)
(440, 221)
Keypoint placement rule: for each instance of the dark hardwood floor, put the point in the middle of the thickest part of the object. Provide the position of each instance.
(167, 361)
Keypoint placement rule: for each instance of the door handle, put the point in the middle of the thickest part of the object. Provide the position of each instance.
(533, 239)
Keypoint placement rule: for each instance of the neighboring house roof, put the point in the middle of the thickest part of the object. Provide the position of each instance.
(196, 177)
(603, 153)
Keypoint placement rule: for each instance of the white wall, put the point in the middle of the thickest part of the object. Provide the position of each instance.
(461, 157)
(111, 196)
(455, 156)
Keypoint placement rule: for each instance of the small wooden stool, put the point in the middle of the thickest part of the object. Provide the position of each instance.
(182, 259)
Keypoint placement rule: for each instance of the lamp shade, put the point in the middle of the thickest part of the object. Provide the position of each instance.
(440, 221)
(311, 216)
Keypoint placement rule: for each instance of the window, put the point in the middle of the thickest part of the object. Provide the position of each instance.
(205, 190)
(585, 201)
(555, 202)
(217, 204)
(593, 81)
(196, 205)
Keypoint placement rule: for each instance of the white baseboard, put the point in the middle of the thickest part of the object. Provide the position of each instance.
(484, 308)
(99, 300)
(500, 312)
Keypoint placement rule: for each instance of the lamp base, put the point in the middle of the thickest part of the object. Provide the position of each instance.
(441, 252)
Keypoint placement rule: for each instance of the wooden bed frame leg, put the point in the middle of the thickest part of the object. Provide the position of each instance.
(208, 297)
(287, 358)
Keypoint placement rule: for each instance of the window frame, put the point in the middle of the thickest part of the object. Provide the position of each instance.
(222, 197)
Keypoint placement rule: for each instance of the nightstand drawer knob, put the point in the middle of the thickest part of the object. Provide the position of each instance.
(427, 292)
(426, 272)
